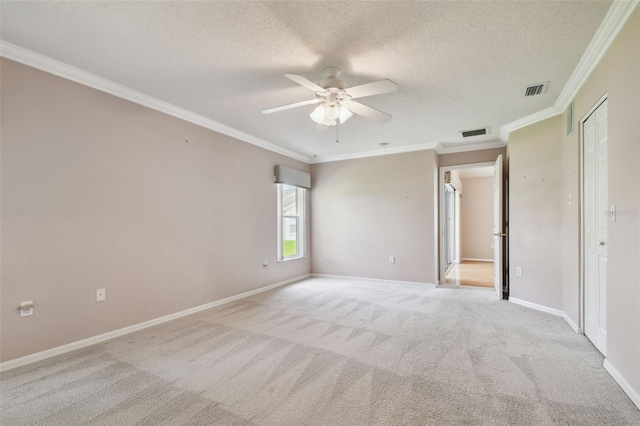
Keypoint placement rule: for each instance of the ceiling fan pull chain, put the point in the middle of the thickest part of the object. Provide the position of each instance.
(337, 132)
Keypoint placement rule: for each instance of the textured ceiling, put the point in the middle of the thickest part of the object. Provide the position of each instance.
(458, 65)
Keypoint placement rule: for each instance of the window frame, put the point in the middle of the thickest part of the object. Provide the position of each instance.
(301, 200)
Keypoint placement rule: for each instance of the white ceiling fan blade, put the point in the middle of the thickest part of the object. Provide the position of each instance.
(368, 112)
(304, 82)
(370, 89)
(294, 105)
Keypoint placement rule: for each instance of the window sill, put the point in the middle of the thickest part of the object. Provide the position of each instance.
(291, 258)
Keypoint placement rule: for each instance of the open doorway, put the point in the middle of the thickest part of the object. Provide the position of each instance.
(469, 203)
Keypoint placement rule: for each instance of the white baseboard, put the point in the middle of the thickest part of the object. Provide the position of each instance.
(548, 310)
(371, 279)
(473, 259)
(537, 307)
(633, 394)
(571, 323)
(39, 356)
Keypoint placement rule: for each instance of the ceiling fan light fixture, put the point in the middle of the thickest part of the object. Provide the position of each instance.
(332, 112)
(336, 99)
(328, 115)
(318, 114)
(345, 114)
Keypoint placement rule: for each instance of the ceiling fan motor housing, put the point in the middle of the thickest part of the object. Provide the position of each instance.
(331, 79)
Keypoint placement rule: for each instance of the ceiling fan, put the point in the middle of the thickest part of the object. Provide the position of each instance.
(336, 100)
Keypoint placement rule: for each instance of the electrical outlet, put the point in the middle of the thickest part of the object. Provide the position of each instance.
(265, 264)
(519, 271)
(392, 259)
(101, 295)
(26, 308)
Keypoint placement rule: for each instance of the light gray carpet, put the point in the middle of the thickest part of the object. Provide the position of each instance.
(331, 352)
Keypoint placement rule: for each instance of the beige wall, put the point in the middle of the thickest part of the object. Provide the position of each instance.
(100, 192)
(470, 157)
(476, 218)
(535, 212)
(366, 210)
(543, 150)
(618, 75)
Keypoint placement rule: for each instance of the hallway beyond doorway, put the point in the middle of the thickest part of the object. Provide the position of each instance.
(477, 274)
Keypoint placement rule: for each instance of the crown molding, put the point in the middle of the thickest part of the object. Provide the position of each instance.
(51, 66)
(617, 16)
(377, 153)
(436, 146)
(441, 149)
(526, 121)
(613, 22)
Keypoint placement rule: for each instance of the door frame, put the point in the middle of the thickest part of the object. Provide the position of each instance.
(441, 213)
(455, 207)
(581, 243)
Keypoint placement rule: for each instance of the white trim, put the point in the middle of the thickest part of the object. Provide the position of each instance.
(613, 22)
(466, 147)
(467, 166)
(39, 356)
(279, 224)
(552, 111)
(581, 275)
(440, 220)
(537, 307)
(473, 259)
(377, 153)
(548, 310)
(346, 277)
(617, 16)
(44, 63)
(593, 108)
(571, 323)
(633, 394)
(437, 146)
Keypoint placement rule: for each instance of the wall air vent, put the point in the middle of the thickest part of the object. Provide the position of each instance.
(535, 89)
(476, 132)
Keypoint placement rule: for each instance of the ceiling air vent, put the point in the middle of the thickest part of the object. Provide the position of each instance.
(535, 89)
(476, 132)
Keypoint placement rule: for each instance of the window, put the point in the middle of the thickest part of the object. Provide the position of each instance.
(291, 222)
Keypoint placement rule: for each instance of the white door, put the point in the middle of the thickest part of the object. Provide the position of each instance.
(450, 225)
(498, 231)
(596, 217)
(458, 243)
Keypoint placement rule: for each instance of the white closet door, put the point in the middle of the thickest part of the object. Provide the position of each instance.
(596, 218)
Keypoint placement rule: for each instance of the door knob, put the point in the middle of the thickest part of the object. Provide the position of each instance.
(601, 243)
